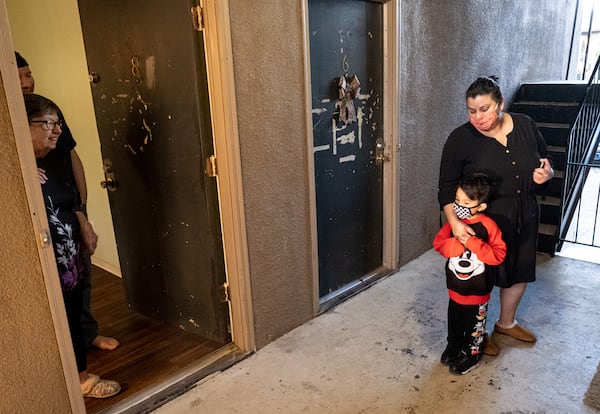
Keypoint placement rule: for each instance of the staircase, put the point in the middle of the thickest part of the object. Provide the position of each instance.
(554, 106)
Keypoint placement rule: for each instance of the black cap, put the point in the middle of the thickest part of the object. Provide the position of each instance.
(21, 62)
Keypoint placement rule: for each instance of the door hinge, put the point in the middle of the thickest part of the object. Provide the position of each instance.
(211, 166)
(198, 17)
(224, 294)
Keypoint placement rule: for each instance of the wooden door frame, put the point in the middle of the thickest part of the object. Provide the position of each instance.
(221, 88)
(37, 209)
(219, 62)
(391, 116)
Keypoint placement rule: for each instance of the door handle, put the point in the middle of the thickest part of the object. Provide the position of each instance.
(380, 155)
(109, 182)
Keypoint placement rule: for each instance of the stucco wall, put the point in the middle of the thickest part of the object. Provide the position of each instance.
(444, 47)
(32, 379)
(268, 59)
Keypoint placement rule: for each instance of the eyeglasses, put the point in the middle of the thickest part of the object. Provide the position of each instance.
(48, 125)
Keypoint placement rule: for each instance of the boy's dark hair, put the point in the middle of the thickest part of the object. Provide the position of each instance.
(485, 85)
(476, 187)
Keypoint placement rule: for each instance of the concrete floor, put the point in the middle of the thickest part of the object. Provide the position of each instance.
(379, 352)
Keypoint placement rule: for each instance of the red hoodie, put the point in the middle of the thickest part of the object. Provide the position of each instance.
(468, 271)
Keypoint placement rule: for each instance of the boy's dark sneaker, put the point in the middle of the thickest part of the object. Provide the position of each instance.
(464, 363)
(449, 355)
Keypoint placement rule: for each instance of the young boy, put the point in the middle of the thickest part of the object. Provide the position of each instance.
(468, 277)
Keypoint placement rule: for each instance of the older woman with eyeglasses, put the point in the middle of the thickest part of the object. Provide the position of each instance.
(67, 228)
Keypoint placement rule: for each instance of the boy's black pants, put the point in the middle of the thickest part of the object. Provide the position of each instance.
(466, 326)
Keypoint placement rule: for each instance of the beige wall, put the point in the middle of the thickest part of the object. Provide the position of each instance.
(32, 377)
(518, 41)
(268, 62)
(48, 34)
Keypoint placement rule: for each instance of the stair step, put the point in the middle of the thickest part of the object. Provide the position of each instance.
(560, 174)
(554, 134)
(548, 200)
(548, 104)
(549, 112)
(552, 125)
(573, 91)
(547, 229)
(559, 160)
(555, 148)
(546, 243)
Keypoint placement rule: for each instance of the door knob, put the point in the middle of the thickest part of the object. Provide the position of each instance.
(109, 184)
(380, 155)
(94, 77)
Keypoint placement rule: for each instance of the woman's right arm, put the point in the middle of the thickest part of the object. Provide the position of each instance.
(460, 230)
(451, 170)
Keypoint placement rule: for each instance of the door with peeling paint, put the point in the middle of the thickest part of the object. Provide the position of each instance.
(148, 81)
(346, 54)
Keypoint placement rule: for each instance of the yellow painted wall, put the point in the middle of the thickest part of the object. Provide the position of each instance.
(29, 358)
(48, 34)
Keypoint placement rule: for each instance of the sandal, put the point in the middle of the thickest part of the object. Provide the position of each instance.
(95, 387)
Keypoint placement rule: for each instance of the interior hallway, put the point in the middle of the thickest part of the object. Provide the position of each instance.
(379, 352)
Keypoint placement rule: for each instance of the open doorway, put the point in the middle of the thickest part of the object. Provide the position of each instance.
(153, 336)
(151, 353)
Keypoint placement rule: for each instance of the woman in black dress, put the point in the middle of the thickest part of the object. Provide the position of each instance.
(67, 229)
(509, 149)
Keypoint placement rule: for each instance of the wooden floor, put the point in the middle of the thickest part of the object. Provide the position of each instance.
(150, 351)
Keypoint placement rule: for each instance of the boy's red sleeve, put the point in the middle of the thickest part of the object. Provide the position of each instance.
(494, 251)
(446, 244)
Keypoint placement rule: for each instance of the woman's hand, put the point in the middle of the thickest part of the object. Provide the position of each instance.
(42, 176)
(460, 230)
(544, 172)
(89, 238)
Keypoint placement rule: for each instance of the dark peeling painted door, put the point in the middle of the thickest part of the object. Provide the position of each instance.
(150, 96)
(346, 40)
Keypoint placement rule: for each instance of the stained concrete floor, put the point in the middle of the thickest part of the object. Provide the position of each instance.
(379, 351)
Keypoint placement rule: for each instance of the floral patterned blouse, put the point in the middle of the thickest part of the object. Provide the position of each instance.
(62, 200)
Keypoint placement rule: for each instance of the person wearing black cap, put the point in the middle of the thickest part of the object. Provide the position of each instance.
(65, 147)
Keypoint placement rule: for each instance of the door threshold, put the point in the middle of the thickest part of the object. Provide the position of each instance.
(333, 299)
(184, 380)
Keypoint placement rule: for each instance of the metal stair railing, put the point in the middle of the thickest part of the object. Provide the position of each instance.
(584, 137)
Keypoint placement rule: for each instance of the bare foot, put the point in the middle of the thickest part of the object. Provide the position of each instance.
(105, 342)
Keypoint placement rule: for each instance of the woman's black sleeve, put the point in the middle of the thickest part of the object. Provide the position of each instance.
(451, 169)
